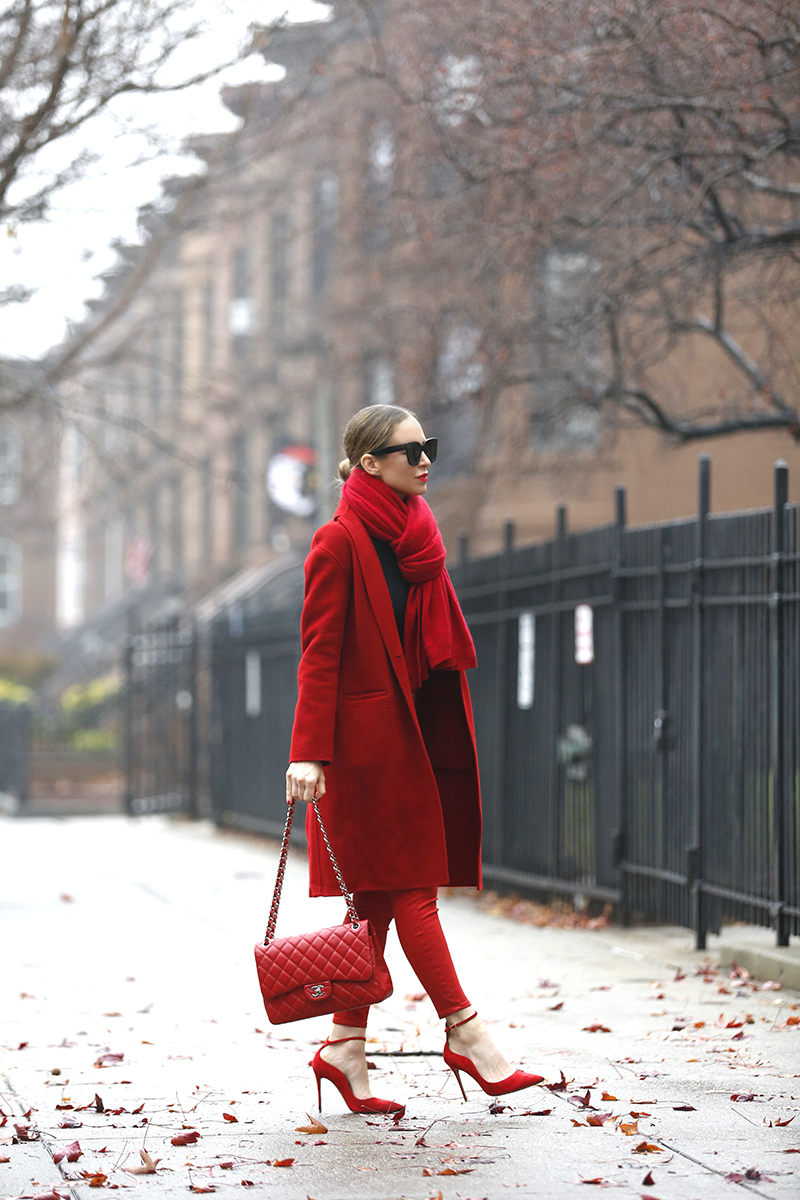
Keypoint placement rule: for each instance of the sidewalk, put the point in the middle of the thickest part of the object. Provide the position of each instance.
(127, 975)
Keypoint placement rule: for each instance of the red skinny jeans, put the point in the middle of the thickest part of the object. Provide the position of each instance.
(416, 918)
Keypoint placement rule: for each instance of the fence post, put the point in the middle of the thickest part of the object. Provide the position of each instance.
(559, 560)
(129, 715)
(777, 707)
(695, 864)
(621, 725)
(194, 715)
(463, 546)
(501, 697)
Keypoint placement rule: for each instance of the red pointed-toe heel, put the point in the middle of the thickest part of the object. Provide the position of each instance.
(457, 1063)
(325, 1070)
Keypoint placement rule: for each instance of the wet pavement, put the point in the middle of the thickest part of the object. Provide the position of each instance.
(130, 1016)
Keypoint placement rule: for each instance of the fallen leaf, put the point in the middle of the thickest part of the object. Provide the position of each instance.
(495, 1108)
(770, 986)
(629, 1128)
(580, 1101)
(96, 1181)
(4, 1158)
(638, 1116)
(683, 1108)
(788, 1121)
(540, 1112)
(648, 1180)
(136, 1111)
(71, 1153)
(607, 1096)
(185, 1139)
(202, 1187)
(596, 1027)
(556, 1007)
(561, 1086)
(226, 1166)
(741, 1097)
(148, 1166)
(282, 1162)
(599, 1118)
(313, 1126)
(70, 1123)
(230, 1117)
(647, 1148)
(109, 1059)
(247, 1183)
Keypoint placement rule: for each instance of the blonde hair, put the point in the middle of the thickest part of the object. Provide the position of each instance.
(369, 429)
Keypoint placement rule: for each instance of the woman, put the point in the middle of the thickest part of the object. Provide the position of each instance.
(383, 731)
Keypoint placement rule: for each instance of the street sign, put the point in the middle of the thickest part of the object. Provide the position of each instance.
(584, 634)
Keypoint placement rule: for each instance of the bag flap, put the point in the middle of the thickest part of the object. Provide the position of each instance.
(324, 955)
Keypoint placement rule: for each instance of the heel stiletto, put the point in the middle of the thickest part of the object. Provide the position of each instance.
(325, 1070)
(457, 1063)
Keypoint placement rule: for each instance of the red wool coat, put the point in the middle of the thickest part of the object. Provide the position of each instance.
(402, 807)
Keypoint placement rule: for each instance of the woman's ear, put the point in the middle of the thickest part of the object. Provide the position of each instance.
(370, 464)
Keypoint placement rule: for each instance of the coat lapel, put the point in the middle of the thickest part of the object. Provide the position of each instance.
(377, 591)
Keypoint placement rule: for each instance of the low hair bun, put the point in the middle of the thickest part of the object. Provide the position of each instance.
(345, 467)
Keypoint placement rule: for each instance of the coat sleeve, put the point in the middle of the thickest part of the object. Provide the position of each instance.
(327, 595)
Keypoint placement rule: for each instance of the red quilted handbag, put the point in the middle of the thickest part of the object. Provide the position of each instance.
(327, 971)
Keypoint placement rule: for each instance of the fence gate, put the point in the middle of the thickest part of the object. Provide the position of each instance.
(161, 720)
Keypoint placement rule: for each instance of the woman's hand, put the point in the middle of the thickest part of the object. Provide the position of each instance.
(305, 781)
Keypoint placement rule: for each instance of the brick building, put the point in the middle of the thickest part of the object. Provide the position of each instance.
(327, 257)
(29, 455)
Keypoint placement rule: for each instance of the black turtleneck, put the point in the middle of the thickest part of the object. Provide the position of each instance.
(397, 585)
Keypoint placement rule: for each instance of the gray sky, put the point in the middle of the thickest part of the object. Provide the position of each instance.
(62, 256)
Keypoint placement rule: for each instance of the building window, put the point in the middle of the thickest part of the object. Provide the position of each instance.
(176, 525)
(567, 354)
(156, 365)
(458, 90)
(379, 184)
(132, 392)
(280, 276)
(154, 529)
(378, 380)
(177, 352)
(208, 326)
(460, 365)
(10, 581)
(10, 464)
(242, 311)
(206, 500)
(241, 494)
(324, 211)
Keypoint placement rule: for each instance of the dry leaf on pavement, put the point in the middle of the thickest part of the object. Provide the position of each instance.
(313, 1126)
(148, 1166)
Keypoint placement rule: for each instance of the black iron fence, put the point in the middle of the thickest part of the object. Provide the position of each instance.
(161, 715)
(637, 706)
(638, 712)
(15, 749)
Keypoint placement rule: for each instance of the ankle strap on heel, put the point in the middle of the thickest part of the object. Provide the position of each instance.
(455, 1024)
(338, 1041)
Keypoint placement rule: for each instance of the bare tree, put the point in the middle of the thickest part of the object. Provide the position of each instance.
(637, 166)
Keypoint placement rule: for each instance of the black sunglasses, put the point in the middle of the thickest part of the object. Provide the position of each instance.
(414, 450)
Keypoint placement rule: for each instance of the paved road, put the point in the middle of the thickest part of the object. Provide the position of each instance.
(134, 938)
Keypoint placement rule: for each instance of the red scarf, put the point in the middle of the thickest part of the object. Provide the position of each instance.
(436, 635)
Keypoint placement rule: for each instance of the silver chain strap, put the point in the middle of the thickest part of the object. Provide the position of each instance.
(276, 895)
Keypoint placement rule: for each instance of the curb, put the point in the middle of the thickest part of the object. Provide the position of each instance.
(781, 963)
